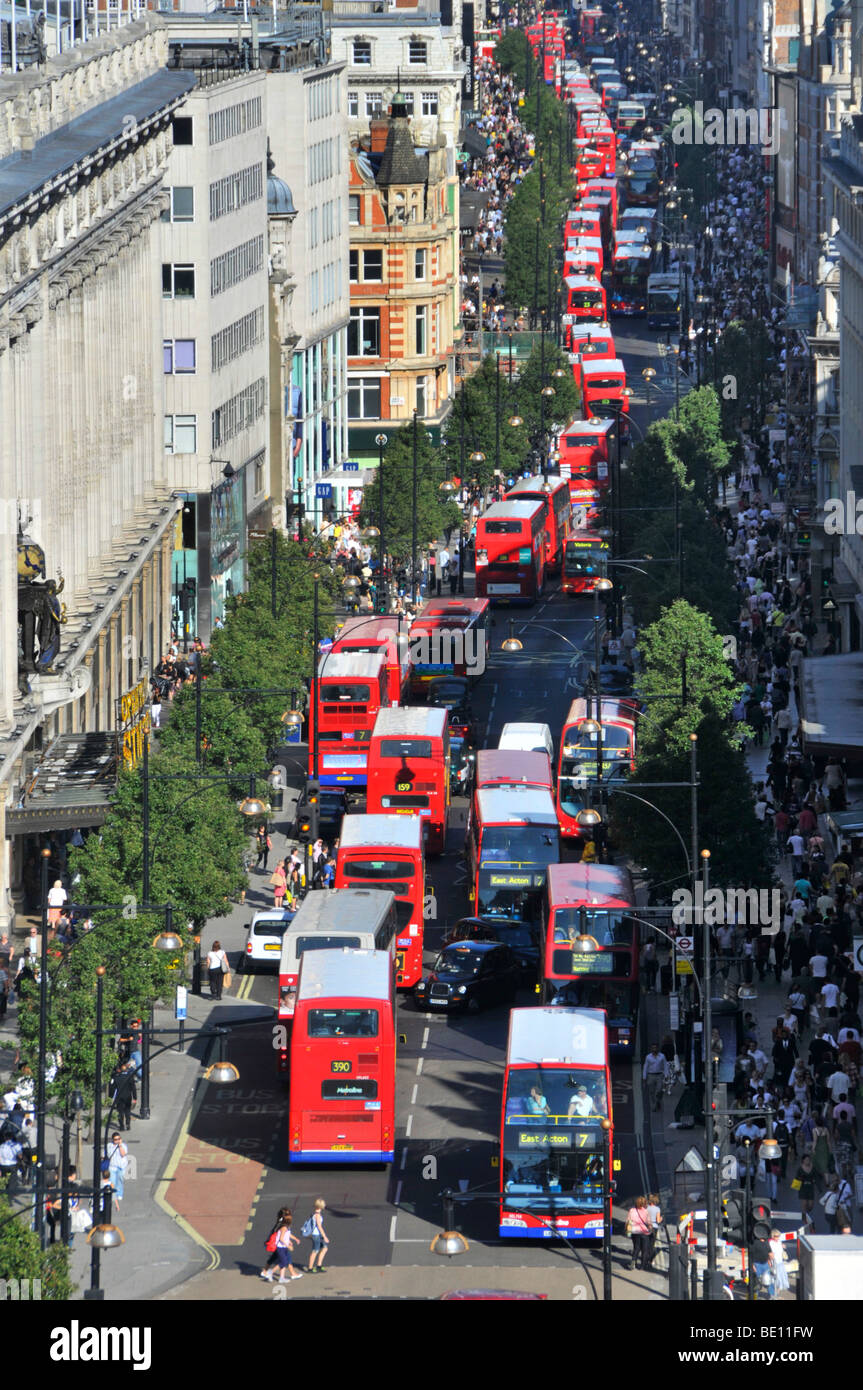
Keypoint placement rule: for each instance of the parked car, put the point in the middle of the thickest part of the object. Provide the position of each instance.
(264, 939)
(470, 975)
(522, 938)
(332, 806)
(453, 693)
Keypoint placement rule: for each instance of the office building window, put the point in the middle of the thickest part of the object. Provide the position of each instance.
(364, 333)
(236, 265)
(178, 281)
(422, 329)
(182, 205)
(422, 384)
(353, 104)
(354, 267)
(234, 120)
(417, 52)
(234, 191)
(239, 413)
(354, 209)
(364, 398)
(181, 434)
(374, 103)
(420, 263)
(362, 53)
(373, 265)
(179, 355)
(408, 99)
(181, 130)
(429, 103)
(237, 338)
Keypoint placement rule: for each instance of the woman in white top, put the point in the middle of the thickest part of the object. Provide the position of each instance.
(217, 964)
(56, 898)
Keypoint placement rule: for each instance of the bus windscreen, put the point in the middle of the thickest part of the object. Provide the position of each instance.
(343, 1023)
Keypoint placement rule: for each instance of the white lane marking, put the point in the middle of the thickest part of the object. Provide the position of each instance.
(398, 1193)
(404, 1161)
(425, 1038)
(393, 1230)
(408, 1127)
(414, 1095)
(419, 1066)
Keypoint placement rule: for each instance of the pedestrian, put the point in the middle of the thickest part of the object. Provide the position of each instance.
(124, 1092)
(653, 1074)
(803, 1184)
(654, 1211)
(286, 1241)
(279, 880)
(649, 964)
(762, 1259)
(217, 965)
(118, 1162)
(781, 1282)
(4, 990)
(56, 898)
(264, 845)
(156, 708)
(318, 1236)
(454, 564)
(638, 1228)
(272, 1257)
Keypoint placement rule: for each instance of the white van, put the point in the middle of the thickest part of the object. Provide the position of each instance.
(264, 939)
(528, 738)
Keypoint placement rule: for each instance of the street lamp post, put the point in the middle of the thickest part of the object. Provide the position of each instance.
(414, 589)
(381, 441)
(43, 1050)
(94, 1290)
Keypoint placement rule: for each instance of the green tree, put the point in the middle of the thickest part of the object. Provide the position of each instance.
(513, 55)
(21, 1257)
(564, 405)
(435, 514)
(744, 362)
(229, 739)
(477, 399)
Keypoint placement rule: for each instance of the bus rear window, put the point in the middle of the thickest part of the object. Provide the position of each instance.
(502, 528)
(378, 868)
(584, 441)
(343, 1023)
(406, 748)
(408, 802)
(326, 943)
(330, 691)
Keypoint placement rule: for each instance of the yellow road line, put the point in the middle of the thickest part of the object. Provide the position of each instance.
(163, 1187)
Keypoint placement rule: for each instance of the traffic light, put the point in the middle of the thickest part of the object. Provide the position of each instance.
(734, 1230)
(760, 1221)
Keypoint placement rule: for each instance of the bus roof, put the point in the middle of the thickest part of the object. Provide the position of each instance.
(589, 883)
(510, 767)
(534, 486)
(415, 721)
(345, 974)
(603, 367)
(610, 710)
(663, 280)
(367, 631)
(366, 664)
(398, 832)
(632, 251)
(532, 805)
(354, 909)
(589, 427)
(582, 282)
(454, 607)
(647, 213)
(521, 511)
(557, 1035)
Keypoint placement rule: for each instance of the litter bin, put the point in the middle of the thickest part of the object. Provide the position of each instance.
(276, 784)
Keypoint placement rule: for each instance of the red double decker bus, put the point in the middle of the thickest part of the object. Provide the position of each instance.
(584, 448)
(596, 901)
(512, 838)
(579, 755)
(554, 492)
(555, 1157)
(409, 769)
(585, 560)
(351, 689)
(510, 552)
(449, 637)
(386, 853)
(385, 636)
(343, 1060)
(585, 299)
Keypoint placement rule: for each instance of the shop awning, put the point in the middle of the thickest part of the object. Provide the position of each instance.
(831, 704)
(71, 785)
(473, 143)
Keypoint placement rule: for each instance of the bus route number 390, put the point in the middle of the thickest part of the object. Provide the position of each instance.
(340, 1066)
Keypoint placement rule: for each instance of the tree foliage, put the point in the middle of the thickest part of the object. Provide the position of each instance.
(513, 55)
(21, 1257)
(435, 514)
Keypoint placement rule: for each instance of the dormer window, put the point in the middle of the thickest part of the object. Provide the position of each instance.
(417, 52)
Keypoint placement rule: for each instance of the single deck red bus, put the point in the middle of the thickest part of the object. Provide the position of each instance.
(351, 688)
(389, 637)
(508, 767)
(598, 901)
(409, 769)
(386, 852)
(345, 918)
(558, 520)
(510, 552)
(585, 560)
(512, 838)
(553, 1149)
(343, 1060)
(449, 637)
(579, 751)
